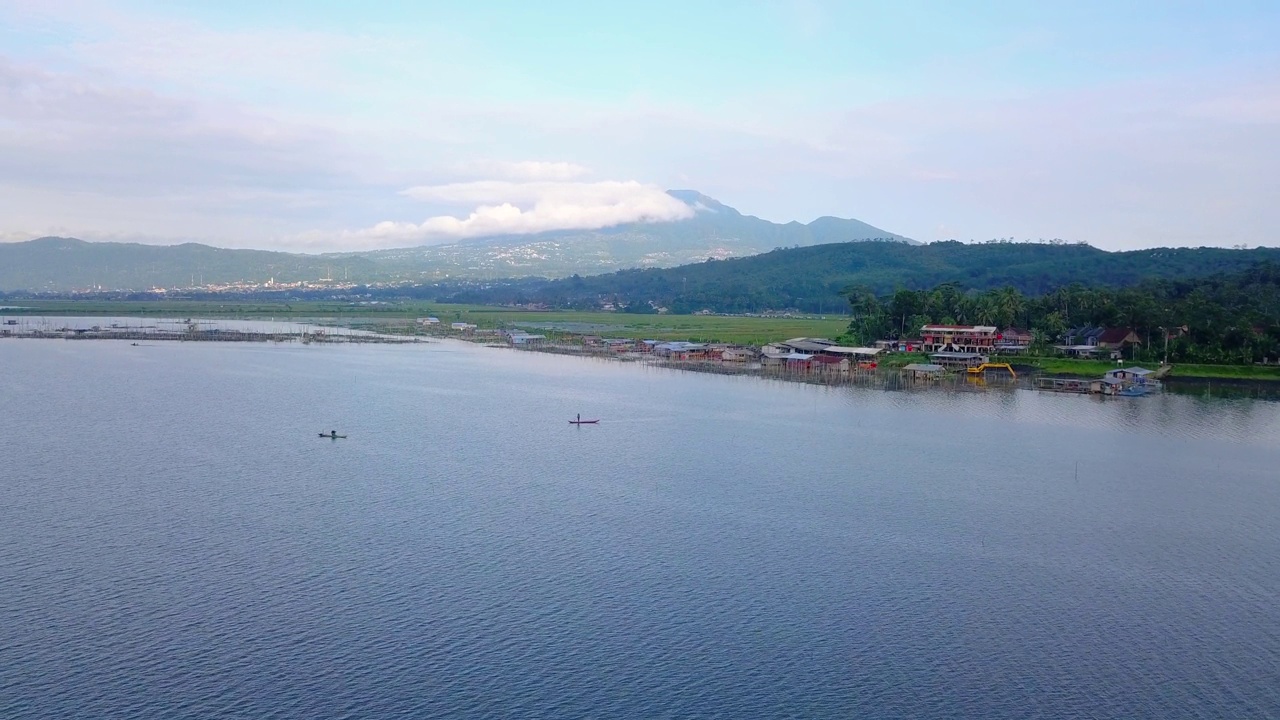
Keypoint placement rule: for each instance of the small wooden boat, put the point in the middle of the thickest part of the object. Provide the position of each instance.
(333, 436)
(583, 422)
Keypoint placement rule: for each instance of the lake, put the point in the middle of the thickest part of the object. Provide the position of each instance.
(177, 542)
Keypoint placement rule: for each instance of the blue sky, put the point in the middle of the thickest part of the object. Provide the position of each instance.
(320, 126)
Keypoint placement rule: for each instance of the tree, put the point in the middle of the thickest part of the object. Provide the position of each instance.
(870, 321)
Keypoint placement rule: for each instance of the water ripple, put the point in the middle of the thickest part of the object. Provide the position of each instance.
(176, 543)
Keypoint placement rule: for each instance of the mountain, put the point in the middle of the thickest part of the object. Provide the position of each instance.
(715, 231)
(62, 264)
(813, 279)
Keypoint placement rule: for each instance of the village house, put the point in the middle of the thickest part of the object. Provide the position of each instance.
(1081, 342)
(739, 354)
(462, 326)
(680, 351)
(855, 355)
(1083, 335)
(809, 346)
(520, 338)
(1077, 351)
(429, 321)
(958, 359)
(617, 345)
(904, 345)
(958, 338)
(829, 364)
(1118, 339)
(1088, 341)
(800, 362)
(794, 361)
(1012, 341)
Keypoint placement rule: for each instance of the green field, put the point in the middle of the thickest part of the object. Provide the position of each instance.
(697, 328)
(1097, 368)
(701, 328)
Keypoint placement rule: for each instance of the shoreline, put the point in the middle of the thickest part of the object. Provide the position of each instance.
(403, 330)
(886, 378)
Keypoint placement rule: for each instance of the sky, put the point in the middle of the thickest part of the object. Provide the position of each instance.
(324, 126)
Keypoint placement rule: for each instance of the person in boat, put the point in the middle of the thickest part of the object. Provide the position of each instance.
(333, 433)
(579, 417)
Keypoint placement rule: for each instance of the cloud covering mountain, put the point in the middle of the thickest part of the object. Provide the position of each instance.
(510, 208)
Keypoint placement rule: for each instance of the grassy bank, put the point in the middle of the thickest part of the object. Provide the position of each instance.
(1096, 368)
(697, 328)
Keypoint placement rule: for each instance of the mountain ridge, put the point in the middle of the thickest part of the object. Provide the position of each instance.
(816, 278)
(716, 231)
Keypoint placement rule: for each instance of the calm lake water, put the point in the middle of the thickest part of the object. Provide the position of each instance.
(176, 542)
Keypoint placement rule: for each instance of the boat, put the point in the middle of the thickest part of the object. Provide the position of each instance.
(580, 421)
(333, 435)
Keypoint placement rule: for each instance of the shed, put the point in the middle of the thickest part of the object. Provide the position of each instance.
(1133, 373)
(958, 359)
(925, 370)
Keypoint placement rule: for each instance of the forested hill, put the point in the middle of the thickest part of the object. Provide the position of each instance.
(714, 230)
(813, 278)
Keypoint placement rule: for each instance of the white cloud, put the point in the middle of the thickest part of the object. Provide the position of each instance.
(511, 208)
(12, 236)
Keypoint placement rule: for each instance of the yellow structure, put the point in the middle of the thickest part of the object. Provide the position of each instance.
(993, 366)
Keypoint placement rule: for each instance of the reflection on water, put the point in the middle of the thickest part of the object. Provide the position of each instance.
(1228, 389)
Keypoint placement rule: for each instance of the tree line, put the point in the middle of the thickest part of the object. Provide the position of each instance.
(811, 279)
(1224, 318)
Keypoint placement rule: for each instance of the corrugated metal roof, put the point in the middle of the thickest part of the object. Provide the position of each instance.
(959, 328)
(806, 345)
(841, 350)
(924, 367)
